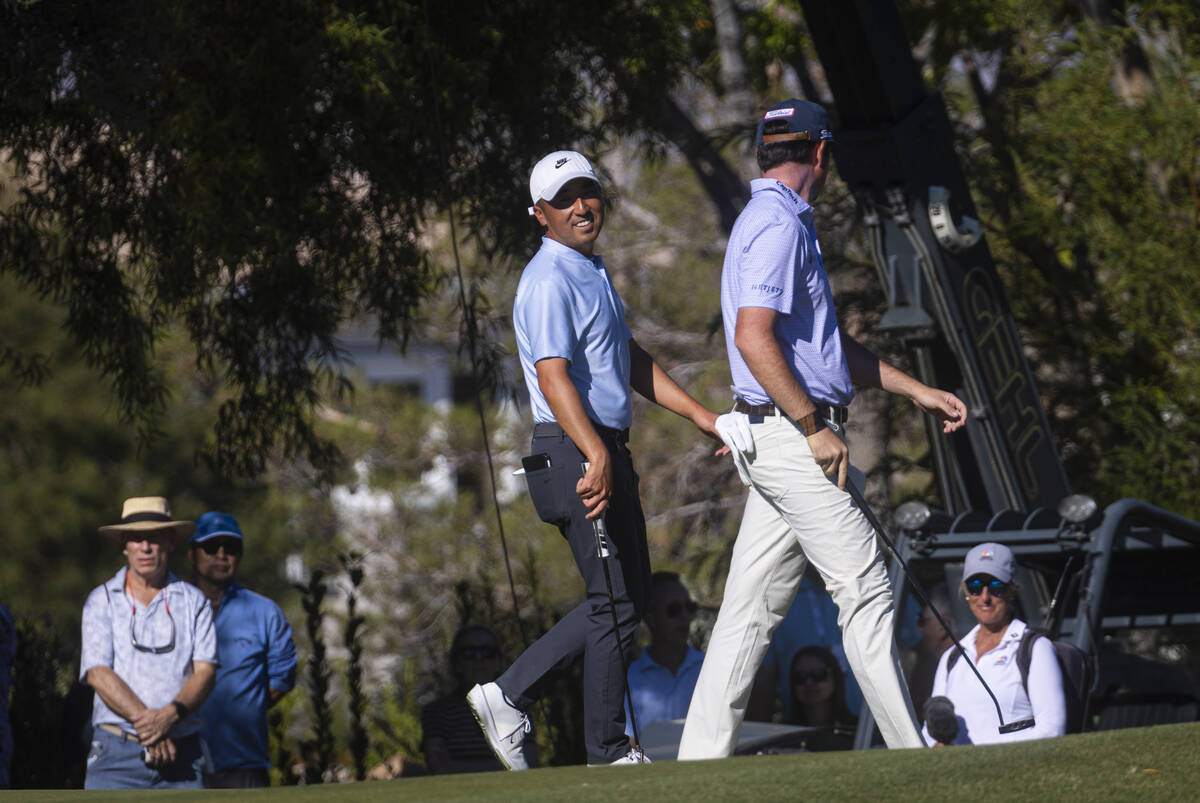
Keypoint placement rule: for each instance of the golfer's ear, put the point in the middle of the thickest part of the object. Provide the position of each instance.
(821, 152)
(537, 213)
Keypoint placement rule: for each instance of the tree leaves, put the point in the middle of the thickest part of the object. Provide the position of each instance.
(265, 172)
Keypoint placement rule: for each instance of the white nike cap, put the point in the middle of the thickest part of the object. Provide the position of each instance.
(556, 169)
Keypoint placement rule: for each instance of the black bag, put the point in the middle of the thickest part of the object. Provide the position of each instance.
(1077, 667)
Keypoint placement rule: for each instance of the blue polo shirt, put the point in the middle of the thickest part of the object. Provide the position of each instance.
(566, 307)
(773, 260)
(255, 644)
(658, 694)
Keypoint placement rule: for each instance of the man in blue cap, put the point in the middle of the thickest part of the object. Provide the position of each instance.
(258, 658)
(794, 371)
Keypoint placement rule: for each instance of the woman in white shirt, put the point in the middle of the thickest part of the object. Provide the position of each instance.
(992, 646)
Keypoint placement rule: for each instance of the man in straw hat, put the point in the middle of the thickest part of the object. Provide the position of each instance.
(150, 652)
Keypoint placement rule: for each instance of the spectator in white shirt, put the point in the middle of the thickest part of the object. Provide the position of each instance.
(992, 646)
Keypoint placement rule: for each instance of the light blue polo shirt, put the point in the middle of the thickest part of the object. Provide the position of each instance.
(566, 307)
(774, 261)
(658, 694)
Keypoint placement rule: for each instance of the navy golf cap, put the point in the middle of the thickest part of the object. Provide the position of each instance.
(793, 121)
(213, 525)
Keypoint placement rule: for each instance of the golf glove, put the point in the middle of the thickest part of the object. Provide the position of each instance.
(734, 429)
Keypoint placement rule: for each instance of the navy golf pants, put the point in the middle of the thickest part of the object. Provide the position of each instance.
(587, 630)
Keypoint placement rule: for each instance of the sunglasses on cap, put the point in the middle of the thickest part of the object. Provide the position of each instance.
(478, 653)
(233, 546)
(976, 585)
(675, 608)
(819, 675)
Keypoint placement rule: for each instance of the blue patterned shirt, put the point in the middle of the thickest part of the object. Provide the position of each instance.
(773, 261)
(257, 654)
(179, 611)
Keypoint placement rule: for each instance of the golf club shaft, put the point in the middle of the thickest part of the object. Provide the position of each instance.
(856, 495)
(601, 533)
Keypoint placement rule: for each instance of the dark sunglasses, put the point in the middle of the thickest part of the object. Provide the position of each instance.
(675, 608)
(815, 675)
(975, 587)
(232, 546)
(482, 652)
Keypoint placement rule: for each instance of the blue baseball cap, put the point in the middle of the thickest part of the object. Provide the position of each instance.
(793, 121)
(213, 524)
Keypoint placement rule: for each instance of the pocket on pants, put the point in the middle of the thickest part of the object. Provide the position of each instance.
(95, 752)
(547, 496)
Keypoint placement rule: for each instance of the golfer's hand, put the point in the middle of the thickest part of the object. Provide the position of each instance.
(942, 405)
(830, 453)
(153, 724)
(707, 422)
(161, 753)
(595, 487)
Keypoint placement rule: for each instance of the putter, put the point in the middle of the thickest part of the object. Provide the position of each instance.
(601, 533)
(1005, 727)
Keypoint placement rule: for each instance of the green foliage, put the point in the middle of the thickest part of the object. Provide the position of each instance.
(1080, 143)
(67, 462)
(317, 751)
(260, 174)
(352, 641)
(394, 726)
(48, 751)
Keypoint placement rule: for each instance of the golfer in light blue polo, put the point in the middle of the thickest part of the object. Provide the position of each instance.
(580, 363)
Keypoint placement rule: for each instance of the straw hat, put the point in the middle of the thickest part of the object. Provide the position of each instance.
(147, 514)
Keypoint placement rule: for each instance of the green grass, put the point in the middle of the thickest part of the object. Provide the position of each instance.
(1141, 764)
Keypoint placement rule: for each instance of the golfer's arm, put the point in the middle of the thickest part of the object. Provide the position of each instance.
(567, 408)
(115, 692)
(649, 379)
(867, 370)
(754, 336)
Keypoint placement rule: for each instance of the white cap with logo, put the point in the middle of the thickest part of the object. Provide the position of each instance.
(556, 169)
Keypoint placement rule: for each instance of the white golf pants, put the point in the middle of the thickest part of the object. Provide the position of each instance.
(794, 515)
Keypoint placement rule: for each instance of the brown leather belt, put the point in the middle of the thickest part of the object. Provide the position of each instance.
(829, 412)
(117, 731)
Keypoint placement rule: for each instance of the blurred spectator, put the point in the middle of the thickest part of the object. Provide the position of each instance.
(818, 699)
(258, 658)
(150, 652)
(8, 649)
(992, 646)
(663, 676)
(934, 641)
(811, 619)
(451, 738)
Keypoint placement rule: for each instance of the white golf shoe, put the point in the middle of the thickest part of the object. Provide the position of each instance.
(503, 724)
(634, 756)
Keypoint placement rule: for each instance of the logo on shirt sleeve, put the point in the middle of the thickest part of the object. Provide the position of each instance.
(766, 289)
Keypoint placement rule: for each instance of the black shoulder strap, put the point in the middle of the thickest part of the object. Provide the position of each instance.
(955, 654)
(1025, 655)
